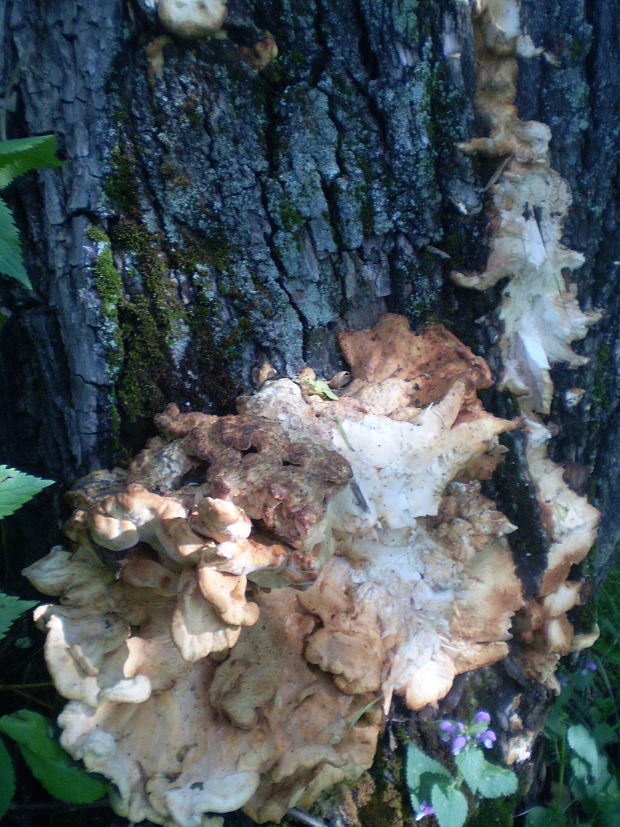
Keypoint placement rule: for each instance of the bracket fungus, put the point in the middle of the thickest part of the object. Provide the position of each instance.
(529, 202)
(541, 317)
(243, 599)
(192, 18)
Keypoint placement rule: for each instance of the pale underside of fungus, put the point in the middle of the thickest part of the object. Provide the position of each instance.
(247, 597)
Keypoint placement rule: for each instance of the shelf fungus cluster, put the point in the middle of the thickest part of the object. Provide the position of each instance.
(245, 599)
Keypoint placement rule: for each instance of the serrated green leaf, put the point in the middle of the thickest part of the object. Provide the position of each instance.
(584, 745)
(419, 762)
(60, 775)
(470, 763)
(11, 262)
(21, 155)
(484, 778)
(421, 773)
(10, 609)
(450, 806)
(7, 779)
(16, 488)
(494, 781)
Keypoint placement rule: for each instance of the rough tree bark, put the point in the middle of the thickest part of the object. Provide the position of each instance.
(211, 215)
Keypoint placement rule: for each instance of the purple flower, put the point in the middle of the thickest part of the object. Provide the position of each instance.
(487, 739)
(482, 717)
(459, 743)
(425, 810)
(447, 730)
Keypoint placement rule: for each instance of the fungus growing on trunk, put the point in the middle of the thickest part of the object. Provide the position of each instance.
(541, 318)
(529, 202)
(249, 594)
(192, 18)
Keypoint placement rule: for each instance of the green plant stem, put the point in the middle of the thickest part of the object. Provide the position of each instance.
(25, 685)
(557, 800)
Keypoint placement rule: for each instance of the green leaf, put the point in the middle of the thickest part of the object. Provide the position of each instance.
(321, 386)
(584, 745)
(419, 762)
(543, 817)
(11, 262)
(450, 806)
(604, 734)
(23, 154)
(470, 762)
(7, 779)
(495, 781)
(421, 773)
(10, 609)
(16, 488)
(60, 775)
(484, 778)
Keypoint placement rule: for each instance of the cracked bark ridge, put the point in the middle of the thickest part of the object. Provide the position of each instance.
(234, 213)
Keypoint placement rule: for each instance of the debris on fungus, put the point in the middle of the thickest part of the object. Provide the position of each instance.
(244, 597)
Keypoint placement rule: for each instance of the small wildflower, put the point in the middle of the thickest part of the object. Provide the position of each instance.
(447, 730)
(482, 717)
(487, 739)
(459, 743)
(425, 810)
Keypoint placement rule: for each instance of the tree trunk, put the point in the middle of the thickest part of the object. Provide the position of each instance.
(214, 214)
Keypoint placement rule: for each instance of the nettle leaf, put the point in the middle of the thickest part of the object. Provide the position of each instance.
(21, 155)
(7, 779)
(16, 488)
(495, 781)
(64, 778)
(10, 609)
(11, 262)
(421, 773)
(484, 778)
(470, 763)
(450, 806)
(419, 762)
(584, 745)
